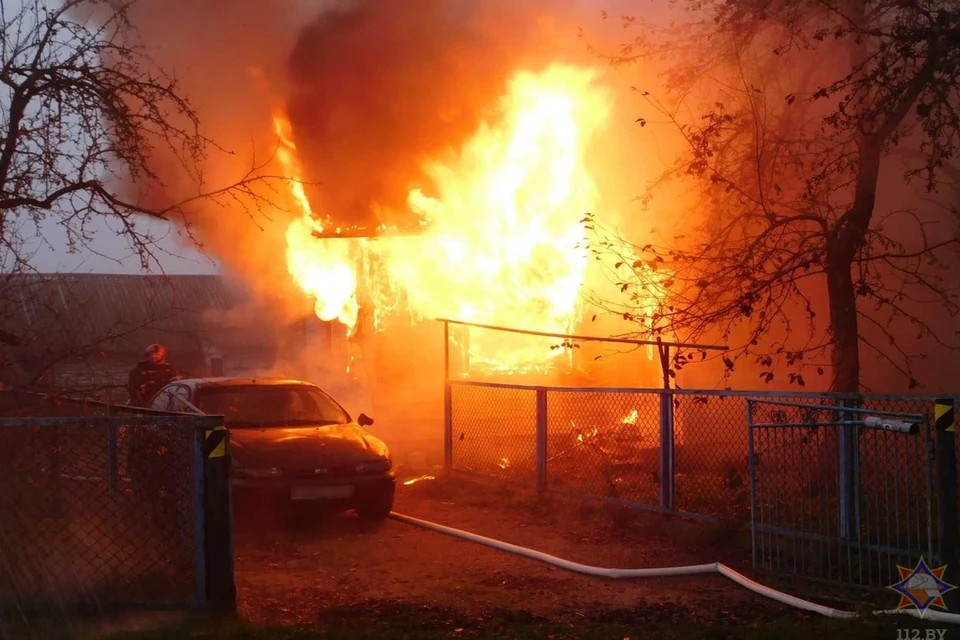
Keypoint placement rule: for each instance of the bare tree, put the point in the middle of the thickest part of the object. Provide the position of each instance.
(791, 113)
(86, 119)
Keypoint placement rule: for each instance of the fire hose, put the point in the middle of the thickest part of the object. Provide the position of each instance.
(661, 572)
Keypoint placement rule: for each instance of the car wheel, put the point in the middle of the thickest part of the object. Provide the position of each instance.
(375, 508)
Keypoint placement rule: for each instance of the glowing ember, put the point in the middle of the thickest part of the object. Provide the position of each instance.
(631, 417)
(581, 438)
(505, 239)
(420, 479)
(504, 463)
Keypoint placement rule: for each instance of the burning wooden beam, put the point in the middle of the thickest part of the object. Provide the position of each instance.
(381, 231)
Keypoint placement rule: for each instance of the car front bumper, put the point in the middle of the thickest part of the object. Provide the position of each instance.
(345, 491)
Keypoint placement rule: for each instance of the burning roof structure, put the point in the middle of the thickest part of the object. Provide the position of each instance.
(441, 160)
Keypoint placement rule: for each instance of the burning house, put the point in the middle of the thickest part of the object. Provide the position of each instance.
(439, 162)
(445, 161)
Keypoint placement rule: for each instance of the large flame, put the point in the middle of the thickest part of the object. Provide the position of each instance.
(323, 268)
(505, 240)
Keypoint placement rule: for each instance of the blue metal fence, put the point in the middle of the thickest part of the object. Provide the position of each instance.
(687, 452)
(103, 506)
(840, 492)
(495, 428)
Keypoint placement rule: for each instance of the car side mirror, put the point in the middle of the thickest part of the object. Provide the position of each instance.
(364, 420)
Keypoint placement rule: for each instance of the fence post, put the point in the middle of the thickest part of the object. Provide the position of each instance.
(221, 593)
(848, 475)
(752, 463)
(447, 427)
(447, 401)
(52, 435)
(541, 447)
(666, 451)
(946, 444)
(113, 453)
(666, 432)
(199, 520)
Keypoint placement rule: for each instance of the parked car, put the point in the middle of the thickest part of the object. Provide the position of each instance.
(293, 442)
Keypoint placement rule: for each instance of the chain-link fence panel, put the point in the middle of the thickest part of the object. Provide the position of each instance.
(897, 501)
(97, 511)
(837, 500)
(796, 483)
(710, 459)
(604, 444)
(494, 430)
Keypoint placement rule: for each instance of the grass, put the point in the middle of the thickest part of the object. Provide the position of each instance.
(393, 620)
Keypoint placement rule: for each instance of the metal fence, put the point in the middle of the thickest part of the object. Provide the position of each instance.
(842, 493)
(620, 444)
(686, 452)
(685, 455)
(106, 506)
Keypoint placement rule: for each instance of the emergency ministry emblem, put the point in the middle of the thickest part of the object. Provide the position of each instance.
(921, 587)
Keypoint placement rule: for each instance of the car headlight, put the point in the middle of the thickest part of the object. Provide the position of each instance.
(271, 472)
(378, 466)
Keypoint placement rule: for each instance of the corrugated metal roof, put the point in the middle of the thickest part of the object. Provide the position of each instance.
(122, 313)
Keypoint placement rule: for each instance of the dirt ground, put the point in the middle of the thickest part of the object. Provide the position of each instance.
(292, 573)
(321, 576)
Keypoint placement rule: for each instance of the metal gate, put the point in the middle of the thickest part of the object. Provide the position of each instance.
(840, 493)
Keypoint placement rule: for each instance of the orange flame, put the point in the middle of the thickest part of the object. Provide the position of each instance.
(504, 240)
(322, 268)
(416, 480)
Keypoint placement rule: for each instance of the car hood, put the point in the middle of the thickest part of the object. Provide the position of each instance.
(304, 446)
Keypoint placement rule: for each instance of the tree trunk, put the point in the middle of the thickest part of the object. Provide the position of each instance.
(846, 240)
(844, 327)
(848, 237)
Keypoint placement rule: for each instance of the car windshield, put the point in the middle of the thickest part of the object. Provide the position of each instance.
(258, 405)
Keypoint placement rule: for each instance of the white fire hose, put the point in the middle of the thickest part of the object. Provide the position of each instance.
(660, 572)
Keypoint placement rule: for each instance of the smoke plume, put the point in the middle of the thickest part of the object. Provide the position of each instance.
(373, 88)
(376, 89)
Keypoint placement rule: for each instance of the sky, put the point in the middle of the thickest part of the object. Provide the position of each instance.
(110, 254)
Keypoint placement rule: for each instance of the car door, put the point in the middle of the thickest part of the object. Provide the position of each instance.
(163, 400)
(181, 400)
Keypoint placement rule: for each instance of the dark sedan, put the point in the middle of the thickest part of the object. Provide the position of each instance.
(291, 441)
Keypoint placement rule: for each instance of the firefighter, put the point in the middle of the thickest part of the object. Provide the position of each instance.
(154, 455)
(149, 376)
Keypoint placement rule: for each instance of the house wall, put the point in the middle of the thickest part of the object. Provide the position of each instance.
(100, 377)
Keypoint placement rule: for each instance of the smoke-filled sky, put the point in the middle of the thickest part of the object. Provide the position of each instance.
(369, 85)
(372, 88)
(375, 90)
